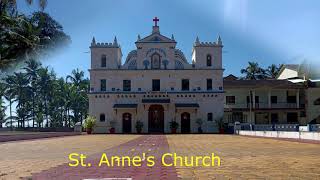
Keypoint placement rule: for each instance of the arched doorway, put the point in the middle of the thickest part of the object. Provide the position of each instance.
(185, 122)
(156, 119)
(126, 123)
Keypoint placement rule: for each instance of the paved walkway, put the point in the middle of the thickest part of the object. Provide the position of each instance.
(241, 157)
(248, 158)
(23, 158)
(155, 145)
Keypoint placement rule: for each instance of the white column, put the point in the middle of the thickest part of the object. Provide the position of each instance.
(269, 98)
(298, 98)
(253, 99)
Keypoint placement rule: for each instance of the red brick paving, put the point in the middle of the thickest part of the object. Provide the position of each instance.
(155, 145)
(19, 137)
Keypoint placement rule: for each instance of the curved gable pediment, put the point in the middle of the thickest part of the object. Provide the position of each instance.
(154, 38)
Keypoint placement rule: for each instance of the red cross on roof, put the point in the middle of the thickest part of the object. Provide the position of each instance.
(155, 21)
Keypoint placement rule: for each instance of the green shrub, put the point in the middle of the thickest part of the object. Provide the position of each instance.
(174, 125)
(90, 122)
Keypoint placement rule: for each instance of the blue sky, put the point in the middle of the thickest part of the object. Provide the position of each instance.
(286, 31)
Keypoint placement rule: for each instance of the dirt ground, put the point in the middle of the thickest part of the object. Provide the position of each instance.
(241, 157)
(21, 158)
(248, 158)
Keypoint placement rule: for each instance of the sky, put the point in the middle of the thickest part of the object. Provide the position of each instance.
(265, 31)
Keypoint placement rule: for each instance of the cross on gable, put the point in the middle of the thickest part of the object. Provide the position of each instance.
(155, 20)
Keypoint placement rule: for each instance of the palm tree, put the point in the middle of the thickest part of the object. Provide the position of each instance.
(253, 71)
(57, 104)
(32, 69)
(273, 71)
(78, 93)
(45, 87)
(2, 107)
(38, 94)
(9, 96)
(22, 92)
(76, 78)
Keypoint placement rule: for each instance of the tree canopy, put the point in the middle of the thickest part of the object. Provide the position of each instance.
(254, 72)
(43, 99)
(23, 37)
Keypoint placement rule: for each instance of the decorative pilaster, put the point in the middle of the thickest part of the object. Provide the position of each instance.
(298, 98)
(269, 98)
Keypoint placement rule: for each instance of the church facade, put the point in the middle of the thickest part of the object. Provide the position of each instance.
(156, 85)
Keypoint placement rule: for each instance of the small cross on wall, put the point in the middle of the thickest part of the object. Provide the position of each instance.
(155, 20)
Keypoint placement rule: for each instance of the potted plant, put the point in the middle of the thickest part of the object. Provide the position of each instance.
(174, 126)
(139, 126)
(199, 122)
(221, 125)
(89, 124)
(112, 130)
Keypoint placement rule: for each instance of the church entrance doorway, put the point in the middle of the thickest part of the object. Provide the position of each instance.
(185, 122)
(156, 119)
(126, 123)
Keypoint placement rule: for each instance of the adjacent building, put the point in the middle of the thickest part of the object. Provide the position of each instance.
(264, 101)
(292, 98)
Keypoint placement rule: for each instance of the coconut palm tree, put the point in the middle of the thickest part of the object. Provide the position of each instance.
(273, 71)
(2, 107)
(20, 88)
(45, 87)
(44, 99)
(77, 94)
(76, 78)
(32, 69)
(253, 71)
(9, 96)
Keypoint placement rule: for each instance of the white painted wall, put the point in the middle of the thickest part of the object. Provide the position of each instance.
(283, 134)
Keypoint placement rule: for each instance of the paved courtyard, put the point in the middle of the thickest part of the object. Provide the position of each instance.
(241, 157)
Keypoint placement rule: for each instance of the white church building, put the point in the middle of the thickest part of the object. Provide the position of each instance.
(156, 85)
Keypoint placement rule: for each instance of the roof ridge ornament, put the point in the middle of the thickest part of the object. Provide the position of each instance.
(172, 37)
(197, 41)
(115, 41)
(93, 41)
(219, 41)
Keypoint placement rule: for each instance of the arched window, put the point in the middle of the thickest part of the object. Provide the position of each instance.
(103, 61)
(185, 116)
(126, 116)
(210, 117)
(209, 60)
(146, 64)
(155, 61)
(102, 118)
(317, 102)
(126, 123)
